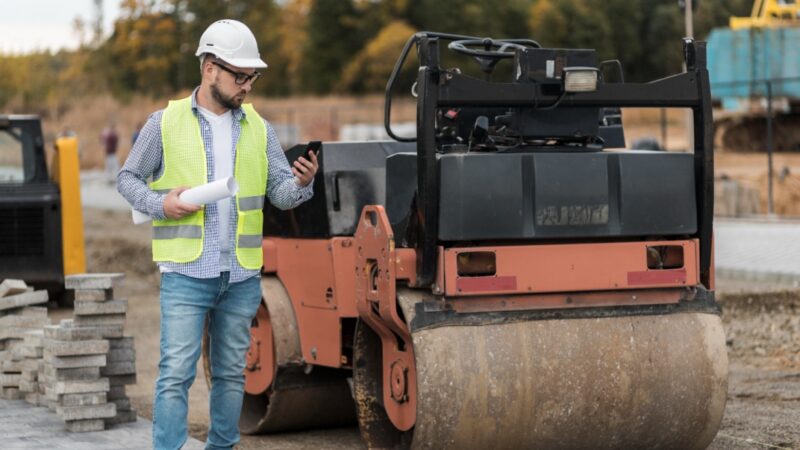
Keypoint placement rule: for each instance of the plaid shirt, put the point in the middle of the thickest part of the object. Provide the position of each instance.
(145, 160)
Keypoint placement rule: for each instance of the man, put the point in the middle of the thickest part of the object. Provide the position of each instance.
(110, 140)
(210, 257)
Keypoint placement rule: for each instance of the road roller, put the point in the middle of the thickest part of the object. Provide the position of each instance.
(511, 276)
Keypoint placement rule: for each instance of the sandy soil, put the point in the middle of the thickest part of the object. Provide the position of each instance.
(763, 331)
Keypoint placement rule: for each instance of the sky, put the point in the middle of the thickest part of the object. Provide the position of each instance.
(28, 25)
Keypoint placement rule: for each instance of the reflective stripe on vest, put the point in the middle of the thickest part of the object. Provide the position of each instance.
(250, 241)
(248, 203)
(185, 164)
(177, 231)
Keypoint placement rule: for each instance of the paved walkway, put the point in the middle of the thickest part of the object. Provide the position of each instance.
(758, 249)
(23, 426)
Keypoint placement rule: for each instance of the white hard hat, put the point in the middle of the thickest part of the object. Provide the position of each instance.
(232, 42)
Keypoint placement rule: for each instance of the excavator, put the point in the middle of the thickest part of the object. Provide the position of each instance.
(510, 277)
(41, 222)
(755, 71)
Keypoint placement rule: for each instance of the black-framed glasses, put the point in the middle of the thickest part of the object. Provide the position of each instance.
(239, 77)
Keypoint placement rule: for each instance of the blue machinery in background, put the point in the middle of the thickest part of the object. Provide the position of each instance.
(755, 62)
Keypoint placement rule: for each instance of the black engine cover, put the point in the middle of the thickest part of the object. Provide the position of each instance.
(561, 195)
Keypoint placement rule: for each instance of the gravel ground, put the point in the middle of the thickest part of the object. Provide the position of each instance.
(762, 326)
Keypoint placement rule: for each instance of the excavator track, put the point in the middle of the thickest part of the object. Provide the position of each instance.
(630, 381)
(745, 132)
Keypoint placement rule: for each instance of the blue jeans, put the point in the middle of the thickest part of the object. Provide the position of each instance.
(185, 303)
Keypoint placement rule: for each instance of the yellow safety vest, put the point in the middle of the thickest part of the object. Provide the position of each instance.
(184, 163)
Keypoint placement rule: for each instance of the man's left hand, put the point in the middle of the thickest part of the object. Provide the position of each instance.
(304, 169)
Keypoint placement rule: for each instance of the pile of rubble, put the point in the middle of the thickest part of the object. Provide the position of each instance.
(78, 368)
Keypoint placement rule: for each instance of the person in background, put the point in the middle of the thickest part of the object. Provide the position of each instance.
(110, 139)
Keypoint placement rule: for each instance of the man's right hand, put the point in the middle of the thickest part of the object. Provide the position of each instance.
(175, 208)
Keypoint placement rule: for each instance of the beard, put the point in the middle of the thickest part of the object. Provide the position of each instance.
(230, 102)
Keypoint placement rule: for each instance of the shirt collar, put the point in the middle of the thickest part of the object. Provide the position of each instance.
(238, 113)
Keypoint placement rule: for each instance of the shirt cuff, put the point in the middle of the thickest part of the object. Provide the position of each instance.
(304, 193)
(155, 206)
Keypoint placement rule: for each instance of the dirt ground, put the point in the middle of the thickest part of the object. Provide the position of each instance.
(762, 327)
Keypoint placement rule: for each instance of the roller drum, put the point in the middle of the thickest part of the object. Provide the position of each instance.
(656, 382)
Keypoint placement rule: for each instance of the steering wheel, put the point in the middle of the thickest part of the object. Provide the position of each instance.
(490, 51)
(489, 45)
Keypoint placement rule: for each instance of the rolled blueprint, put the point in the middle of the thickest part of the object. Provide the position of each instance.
(200, 195)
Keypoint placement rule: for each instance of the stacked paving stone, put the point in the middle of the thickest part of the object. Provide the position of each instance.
(121, 371)
(97, 308)
(32, 365)
(73, 386)
(18, 317)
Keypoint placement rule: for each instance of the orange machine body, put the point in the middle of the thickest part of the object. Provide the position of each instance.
(319, 276)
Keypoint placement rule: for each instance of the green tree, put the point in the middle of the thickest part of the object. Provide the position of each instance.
(370, 69)
(506, 19)
(293, 37)
(142, 53)
(333, 39)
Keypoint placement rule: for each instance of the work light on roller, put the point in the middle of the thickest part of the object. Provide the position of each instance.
(580, 79)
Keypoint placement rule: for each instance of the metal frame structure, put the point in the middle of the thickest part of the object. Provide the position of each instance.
(438, 88)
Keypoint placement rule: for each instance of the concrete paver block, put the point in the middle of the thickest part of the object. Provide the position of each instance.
(23, 299)
(28, 386)
(10, 286)
(116, 392)
(13, 366)
(28, 352)
(118, 368)
(16, 354)
(121, 355)
(20, 321)
(110, 331)
(32, 398)
(99, 320)
(7, 354)
(11, 393)
(88, 398)
(30, 311)
(123, 404)
(13, 333)
(94, 281)
(124, 342)
(85, 426)
(76, 387)
(9, 380)
(70, 362)
(89, 308)
(122, 417)
(69, 413)
(64, 333)
(122, 380)
(80, 373)
(33, 340)
(94, 295)
(28, 375)
(75, 348)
